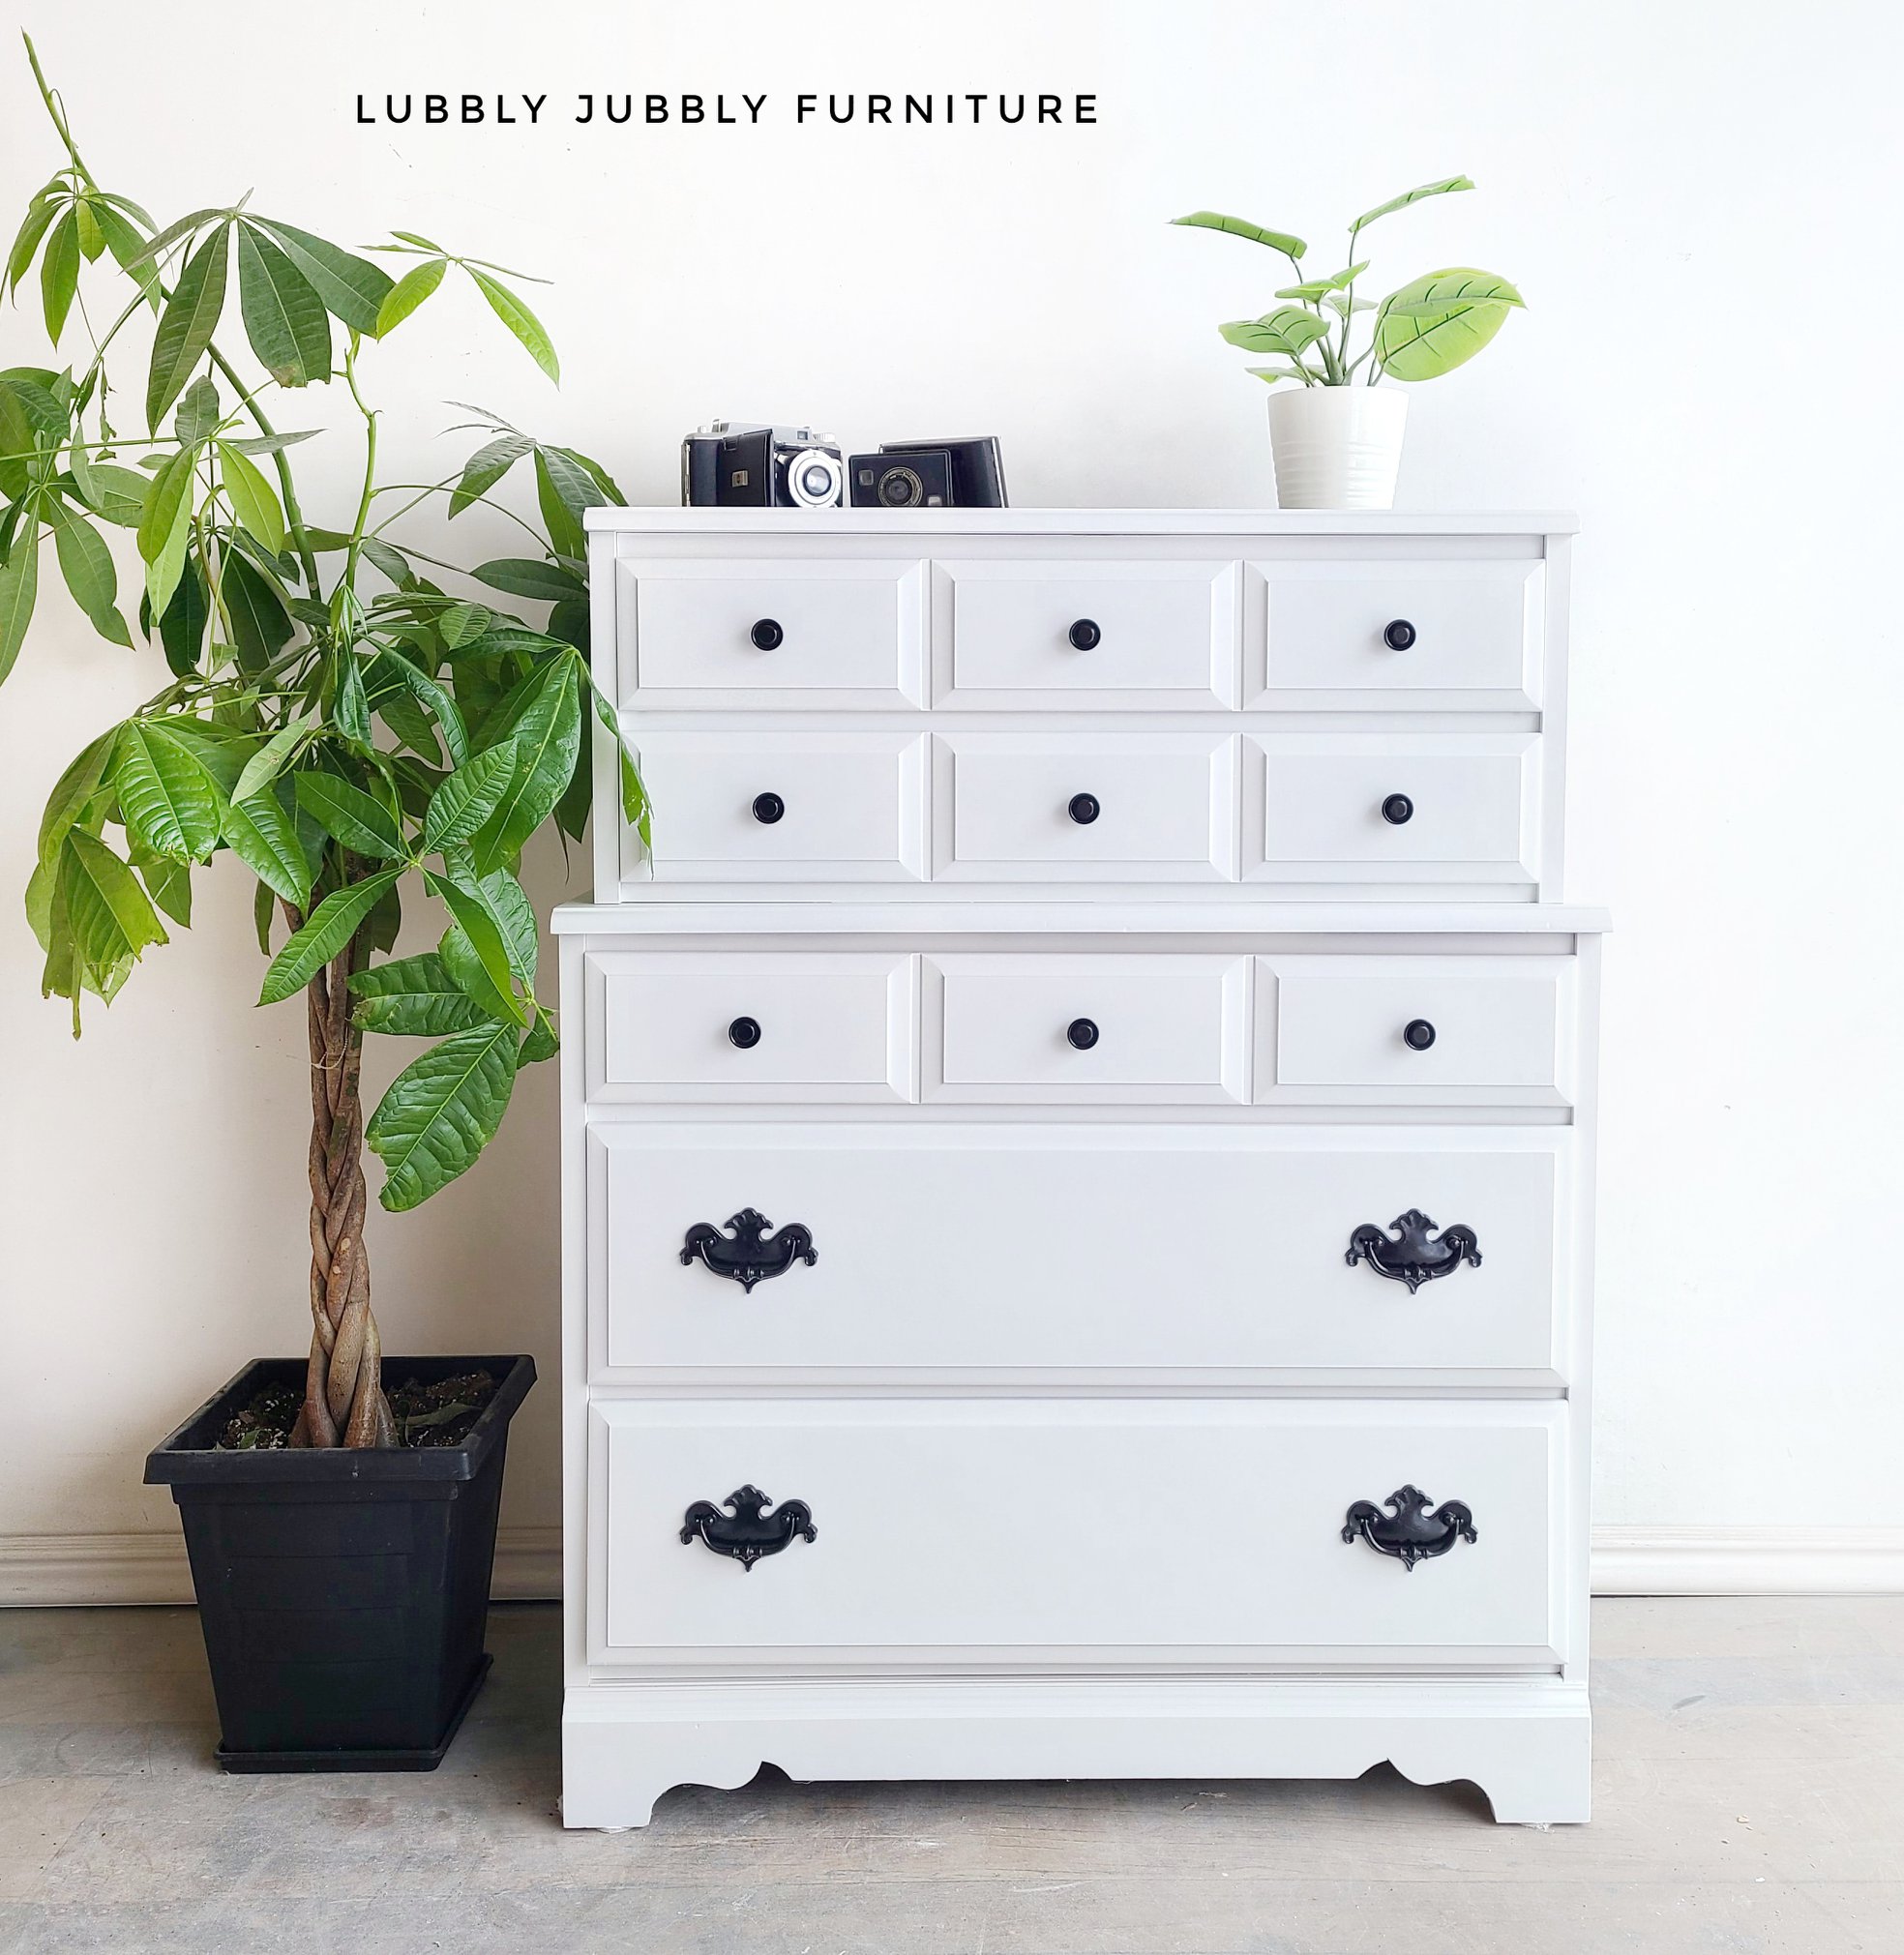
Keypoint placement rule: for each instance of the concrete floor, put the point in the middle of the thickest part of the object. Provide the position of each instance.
(1749, 1795)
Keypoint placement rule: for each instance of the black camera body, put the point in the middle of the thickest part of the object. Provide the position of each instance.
(963, 473)
(754, 464)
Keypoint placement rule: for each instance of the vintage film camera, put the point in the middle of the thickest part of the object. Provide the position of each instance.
(750, 464)
(964, 473)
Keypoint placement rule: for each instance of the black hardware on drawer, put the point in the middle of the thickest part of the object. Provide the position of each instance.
(751, 1532)
(744, 1033)
(751, 1256)
(1398, 635)
(1081, 1033)
(768, 809)
(1082, 809)
(1415, 1254)
(1085, 635)
(1411, 1534)
(1418, 1035)
(1396, 810)
(766, 633)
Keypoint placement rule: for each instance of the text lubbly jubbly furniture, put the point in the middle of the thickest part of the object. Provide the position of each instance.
(1077, 1157)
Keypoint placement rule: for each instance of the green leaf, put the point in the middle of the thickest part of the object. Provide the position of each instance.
(270, 760)
(357, 819)
(487, 467)
(253, 500)
(198, 412)
(1239, 227)
(20, 585)
(525, 576)
(256, 605)
(468, 799)
(1313, 289)
(1288, 330)
(351, 288)
(350, 705)
(264, 907)
(563, 523)
(389, 560)
(463, 622)
(440, 1111)
(169, 885)
(169, 803)
(40, 213)
(1412, 196)
(181, 625)
(330, 926)
(87, 566)
(72, 791)
(485, 924)
(519, 320)
(414, 997)
(436, 698)
(185, 325)
(285, 318)
(92, 240)
(59, 274)
(110, 917)
(264, 838)
(127, 246)
(1440, 321)
(408, 293)
(546, 733)
(165, 529)
(1272, 374)
(634, 804)
(157, 246)
(514, 916)
(541, 1042)
(114, 494)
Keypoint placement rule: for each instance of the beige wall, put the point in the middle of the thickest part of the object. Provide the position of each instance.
(1700, 201)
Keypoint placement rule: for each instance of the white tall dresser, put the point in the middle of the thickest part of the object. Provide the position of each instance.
(1077, 1157)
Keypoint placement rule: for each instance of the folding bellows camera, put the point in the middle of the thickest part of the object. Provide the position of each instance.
(757, 465)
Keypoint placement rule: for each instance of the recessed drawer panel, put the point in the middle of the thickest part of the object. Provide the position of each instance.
(1084, 808)
(798, 1025)
(979, 1247)
(1392, 808)
(841, 807)
(1085, 1028)
(768, 634)
(1090, 634)
(1462, 636)
(1068, 1529)
(1407, 1030)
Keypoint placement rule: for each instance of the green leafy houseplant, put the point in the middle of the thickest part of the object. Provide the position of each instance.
(1421, 331)
(349, 730)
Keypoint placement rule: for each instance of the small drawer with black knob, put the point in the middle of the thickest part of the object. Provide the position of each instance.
(1403, 810)
(772, 1028)
(1460, 635)
(1410, 1030)
(887, 1529)
(837, 807)
(1151, 637)
(1084, 808)
(1056, 1028)
(760, 633)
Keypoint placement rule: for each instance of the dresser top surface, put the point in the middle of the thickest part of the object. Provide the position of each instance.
(659, 520)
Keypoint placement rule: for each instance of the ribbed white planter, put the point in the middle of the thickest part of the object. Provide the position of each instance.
(1337, 447)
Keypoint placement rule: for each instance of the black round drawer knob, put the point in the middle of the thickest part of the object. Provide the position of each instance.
(1082, 809)
(1085, 635)
(1396, 810)
(746, 1033)
(766, 633)
(1081, 1033)
(1398, 635)
(769, 808)
(1418, 1035)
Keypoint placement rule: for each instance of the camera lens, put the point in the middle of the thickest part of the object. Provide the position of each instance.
(814, 478)
(901, 489)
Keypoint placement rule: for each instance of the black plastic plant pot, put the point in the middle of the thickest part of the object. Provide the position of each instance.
(344, 1595)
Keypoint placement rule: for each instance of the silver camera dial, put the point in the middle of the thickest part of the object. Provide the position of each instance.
(814, 479)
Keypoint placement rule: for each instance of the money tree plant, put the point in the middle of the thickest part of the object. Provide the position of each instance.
(333, 713)
(1421, 331)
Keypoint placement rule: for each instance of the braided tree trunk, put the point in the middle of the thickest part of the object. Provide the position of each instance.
(344, 1401)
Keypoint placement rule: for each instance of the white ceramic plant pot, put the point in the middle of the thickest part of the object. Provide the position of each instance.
(1337, 447)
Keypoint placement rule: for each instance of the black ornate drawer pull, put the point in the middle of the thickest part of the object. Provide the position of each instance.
(1082, 809)
(1418, 1035)
(1081, 1033)
(1415, 1254)
(1398, 635)
(1411, 1534)
(1085, 635)
(766, 633)
(749, 1533)
(749, 1256)
(768, 809)
(1396, 810)
(744, 1033)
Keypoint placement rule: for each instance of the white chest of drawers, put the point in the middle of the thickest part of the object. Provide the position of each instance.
(1005, 1332)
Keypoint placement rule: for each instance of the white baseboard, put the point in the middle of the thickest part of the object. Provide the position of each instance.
(70, 1570)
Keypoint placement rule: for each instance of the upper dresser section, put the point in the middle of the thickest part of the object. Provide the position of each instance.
(1355, 707)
